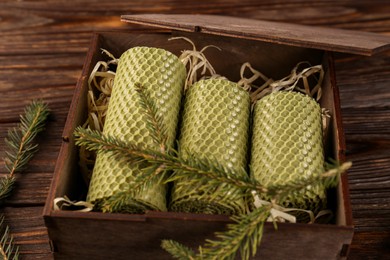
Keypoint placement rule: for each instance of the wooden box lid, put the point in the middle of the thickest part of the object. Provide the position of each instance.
(329, 39)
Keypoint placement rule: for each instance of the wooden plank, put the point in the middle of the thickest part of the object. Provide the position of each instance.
(367, 121)
(87, 15)
(27, 228)
(365, 246)
(32, 29)
(30, 189)
(363, 82)
(58, 99)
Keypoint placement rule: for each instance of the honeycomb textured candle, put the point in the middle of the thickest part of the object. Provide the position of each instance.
(287, 145)
(162, 75)
(215, 126)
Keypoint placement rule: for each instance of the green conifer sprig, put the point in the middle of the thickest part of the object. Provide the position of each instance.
(201, 169)
(20, 139)
(213, 172)
(20, 149)
(8, 251)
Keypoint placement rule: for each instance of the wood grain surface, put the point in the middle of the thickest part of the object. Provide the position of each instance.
(43, 46)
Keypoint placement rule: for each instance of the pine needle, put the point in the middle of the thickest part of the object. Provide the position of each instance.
(20, 139)
(8, 250)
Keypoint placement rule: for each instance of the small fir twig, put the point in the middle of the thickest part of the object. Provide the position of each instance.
(8, 250)
(20, 146)
(200, 169)
(203, 169)
(215, 172)
(20, 139)
(20, 150)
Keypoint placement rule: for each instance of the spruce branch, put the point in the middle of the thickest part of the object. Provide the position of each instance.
(214, 172)
(20, 146)
(8, 250)
(20, 149)
(20, 139)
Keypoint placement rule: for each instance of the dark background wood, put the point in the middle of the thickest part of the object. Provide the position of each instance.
(42, 48)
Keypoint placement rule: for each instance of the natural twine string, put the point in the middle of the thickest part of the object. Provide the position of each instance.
(101, 80)
(100, 84)
(288, 83)
(60, 203)
(281, 214)
(196, 61)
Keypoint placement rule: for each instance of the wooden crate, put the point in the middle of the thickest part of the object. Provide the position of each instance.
(274, 49)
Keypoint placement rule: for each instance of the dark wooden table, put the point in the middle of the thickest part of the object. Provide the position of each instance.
(42, 48)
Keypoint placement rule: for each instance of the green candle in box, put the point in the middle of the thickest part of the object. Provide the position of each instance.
(287, 145)
(162, 74)
(215, 125)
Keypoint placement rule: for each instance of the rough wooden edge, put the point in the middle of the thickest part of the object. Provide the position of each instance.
(341, 141)
(330, 39)
(66, 135)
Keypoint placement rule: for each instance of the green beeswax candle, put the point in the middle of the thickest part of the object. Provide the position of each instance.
(287, 145)
(162, 74)
(215, 126)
